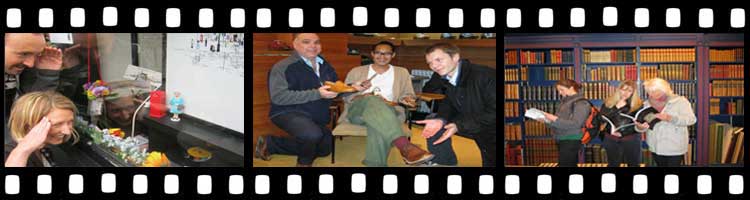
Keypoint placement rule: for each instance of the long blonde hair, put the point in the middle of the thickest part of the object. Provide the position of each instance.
(30, 108)
(635, 99)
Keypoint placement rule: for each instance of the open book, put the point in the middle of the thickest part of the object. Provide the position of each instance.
(615, 129)
(645, 114)
(536, 114)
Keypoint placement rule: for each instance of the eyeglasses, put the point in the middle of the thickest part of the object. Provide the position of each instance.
(382, 53)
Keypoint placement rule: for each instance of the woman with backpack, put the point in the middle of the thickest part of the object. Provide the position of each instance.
(622, 142)
(567, 121)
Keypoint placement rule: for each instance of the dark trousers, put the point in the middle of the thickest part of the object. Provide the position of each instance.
(308, 139)
(667, 161)
(567, 151)
(627, 150)
(444, 154)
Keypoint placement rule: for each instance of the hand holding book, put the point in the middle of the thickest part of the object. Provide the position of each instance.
(536, 114)
(648, 115)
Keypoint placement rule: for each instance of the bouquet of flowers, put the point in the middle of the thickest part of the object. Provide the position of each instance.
(96, 89)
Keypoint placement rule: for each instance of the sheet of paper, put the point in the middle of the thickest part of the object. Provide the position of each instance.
(536, 114)
(61, 38)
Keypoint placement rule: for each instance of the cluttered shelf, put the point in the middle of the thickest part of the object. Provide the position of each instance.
(162, 143)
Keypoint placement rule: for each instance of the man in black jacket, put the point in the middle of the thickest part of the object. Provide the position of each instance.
(468, 109)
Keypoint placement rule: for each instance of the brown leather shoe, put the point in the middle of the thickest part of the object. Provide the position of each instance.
(303, 165)
(413, 155)
(261, 149)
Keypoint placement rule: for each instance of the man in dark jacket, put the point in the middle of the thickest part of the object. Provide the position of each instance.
(468, 109)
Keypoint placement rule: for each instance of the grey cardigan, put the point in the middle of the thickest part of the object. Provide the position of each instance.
(402, 87)
(570, 121)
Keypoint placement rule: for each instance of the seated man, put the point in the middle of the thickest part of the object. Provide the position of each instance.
(384, 128)
(299, 103)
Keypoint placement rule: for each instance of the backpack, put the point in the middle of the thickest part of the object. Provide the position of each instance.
(592, 126)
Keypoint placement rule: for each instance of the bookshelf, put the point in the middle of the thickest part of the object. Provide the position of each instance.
(513, 141)
(541, 68)
(726, 104)
(676, 65)
(601, 61)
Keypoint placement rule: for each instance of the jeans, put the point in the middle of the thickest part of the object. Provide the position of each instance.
(568, 152)
(308, 139)
(627, 151)
(444, 154)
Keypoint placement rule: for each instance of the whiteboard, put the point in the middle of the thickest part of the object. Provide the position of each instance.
(210, 79)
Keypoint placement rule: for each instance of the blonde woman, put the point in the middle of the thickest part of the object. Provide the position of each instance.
(623, 143)
(668, 139)
(38, 119)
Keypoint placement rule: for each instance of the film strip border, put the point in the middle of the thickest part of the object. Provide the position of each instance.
(390, 183)
(122, 183)
(230, 183)
(383, 19)
(625, 18)
(143, 19)
(123, 19)
(649, 183)
(68, 182)
(119, 183)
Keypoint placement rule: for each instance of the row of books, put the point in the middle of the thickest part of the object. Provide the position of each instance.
(512, 132)
(554, 164)
(549, 107)
(536, 128)
(543, 152)
(540, 150)
(557, 73)
(532, 57)
(613, 72)
(607, 56)
(684, 89)
(726, 145)
(597, 90)
(513, 154)
(595, 154)
(736, 107)
(668, 71)
(511, 74)
(723, 88)
(727, 71)
(668, 55)
(511, 109)
(561, 56)
(732, 107)
(511, 57)
(625, 55)
(727, 55)
(511, 91)
(540, 92)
